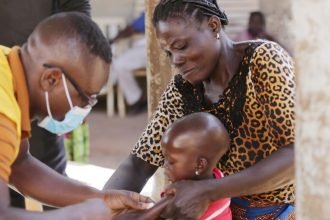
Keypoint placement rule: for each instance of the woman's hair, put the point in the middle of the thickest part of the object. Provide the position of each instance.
(186, 9)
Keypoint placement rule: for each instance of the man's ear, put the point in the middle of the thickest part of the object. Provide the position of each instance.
(50, 78)
(214, 24)
(202, 165)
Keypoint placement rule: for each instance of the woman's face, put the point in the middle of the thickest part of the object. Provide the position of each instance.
(192, 48)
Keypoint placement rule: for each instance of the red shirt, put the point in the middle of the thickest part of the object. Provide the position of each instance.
(218, 210)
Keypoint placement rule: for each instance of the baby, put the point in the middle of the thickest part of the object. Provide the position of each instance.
(192, 147)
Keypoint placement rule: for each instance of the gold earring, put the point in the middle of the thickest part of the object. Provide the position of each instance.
(218, 36)
(197, 173)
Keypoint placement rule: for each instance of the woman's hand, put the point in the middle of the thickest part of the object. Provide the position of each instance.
(190, 201)
(95, 209)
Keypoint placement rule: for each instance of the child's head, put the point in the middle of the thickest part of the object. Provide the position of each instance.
(193, 145)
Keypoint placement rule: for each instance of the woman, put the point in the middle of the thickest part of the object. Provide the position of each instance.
(250, 87)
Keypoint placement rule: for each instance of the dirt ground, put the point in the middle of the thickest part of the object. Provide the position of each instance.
(112, 138)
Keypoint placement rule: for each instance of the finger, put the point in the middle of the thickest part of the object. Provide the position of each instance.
(169, 211)
(156, 210)
(144, 202)
(170, 191)
(140, 197)
(131, 202)
(146, 205)
(145, 199)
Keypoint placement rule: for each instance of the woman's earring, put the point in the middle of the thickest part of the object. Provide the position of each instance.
(218, 36)
(197, 173)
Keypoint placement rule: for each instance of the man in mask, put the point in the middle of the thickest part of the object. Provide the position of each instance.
(17, 20)
(54, 78)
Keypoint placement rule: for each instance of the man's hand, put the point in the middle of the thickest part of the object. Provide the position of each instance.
(190, 200)
(147, 214)
(119, 200)
(95, 209)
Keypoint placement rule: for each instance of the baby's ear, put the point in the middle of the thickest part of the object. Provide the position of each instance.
(202, 164)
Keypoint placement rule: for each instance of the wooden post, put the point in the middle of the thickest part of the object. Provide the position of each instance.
(158, 67)
(158, 76)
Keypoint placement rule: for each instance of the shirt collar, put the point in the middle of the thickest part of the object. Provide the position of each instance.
(21, 90)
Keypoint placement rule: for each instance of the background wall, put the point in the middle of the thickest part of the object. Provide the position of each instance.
(279, 21)
(237, 11)
(311, 48)
(104, 8)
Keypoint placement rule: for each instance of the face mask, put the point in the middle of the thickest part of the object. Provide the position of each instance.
(72, 119)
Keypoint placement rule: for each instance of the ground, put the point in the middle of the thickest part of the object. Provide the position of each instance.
(112, 138)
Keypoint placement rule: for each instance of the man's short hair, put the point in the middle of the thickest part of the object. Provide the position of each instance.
(81, 27)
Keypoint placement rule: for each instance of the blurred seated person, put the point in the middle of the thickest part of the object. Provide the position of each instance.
(256, 28)
(132, 59)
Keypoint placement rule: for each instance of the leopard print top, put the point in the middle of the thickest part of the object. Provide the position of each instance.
(257, 109)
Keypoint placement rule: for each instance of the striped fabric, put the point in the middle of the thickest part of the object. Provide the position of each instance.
(243, 209)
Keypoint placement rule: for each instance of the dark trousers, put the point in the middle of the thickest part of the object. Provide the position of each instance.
(49, 149)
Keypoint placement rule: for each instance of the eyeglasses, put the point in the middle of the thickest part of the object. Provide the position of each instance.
(91, 100)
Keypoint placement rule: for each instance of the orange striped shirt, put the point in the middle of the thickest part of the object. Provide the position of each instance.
(14, 109)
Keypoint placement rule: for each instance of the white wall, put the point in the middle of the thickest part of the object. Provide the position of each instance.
(112, 8)
(237, 10)
(279, 21)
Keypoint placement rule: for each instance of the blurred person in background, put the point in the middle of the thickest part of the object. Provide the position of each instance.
(133, 58)
(256, 28)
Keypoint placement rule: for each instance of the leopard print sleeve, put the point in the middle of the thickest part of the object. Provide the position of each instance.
(273, 76)
(169, 109)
